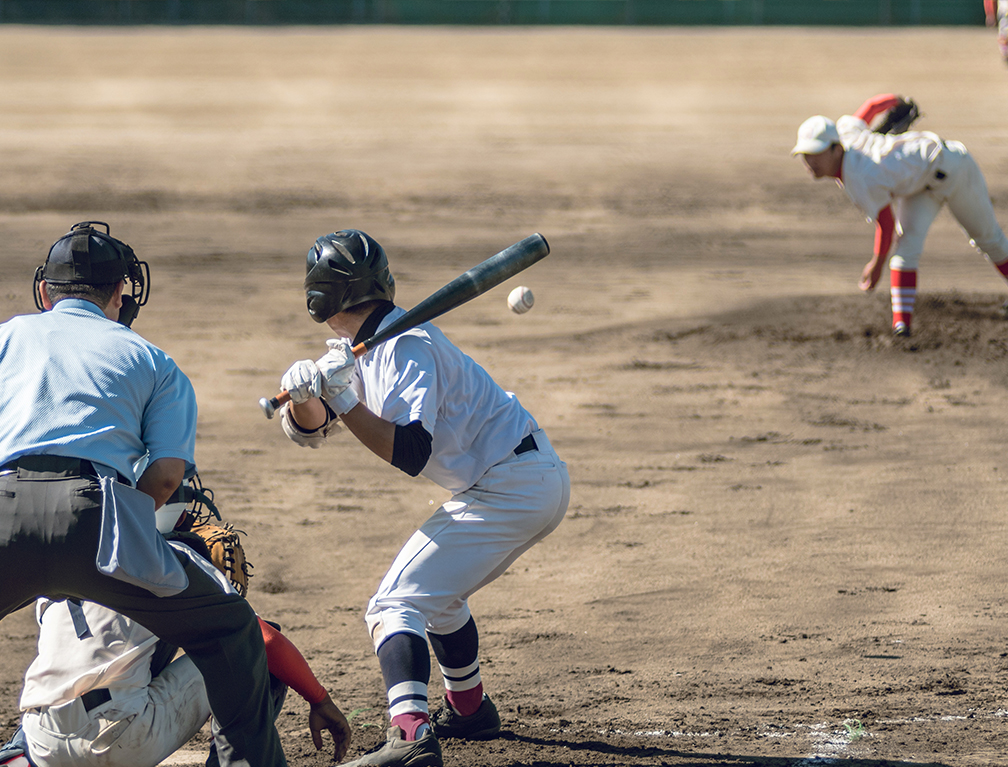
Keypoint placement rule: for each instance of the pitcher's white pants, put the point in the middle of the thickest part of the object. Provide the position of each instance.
(964, 190)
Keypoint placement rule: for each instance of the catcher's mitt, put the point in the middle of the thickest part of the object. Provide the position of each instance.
(217, 541)
(899, 118)
(222, 546)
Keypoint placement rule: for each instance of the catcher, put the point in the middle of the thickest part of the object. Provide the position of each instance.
(105, 691)
(901, 179)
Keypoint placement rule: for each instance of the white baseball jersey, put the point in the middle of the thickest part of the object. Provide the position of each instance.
(422, 376)
(917, 172)
(878, 168)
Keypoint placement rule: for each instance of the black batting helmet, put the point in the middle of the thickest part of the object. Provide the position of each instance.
(88, 256)
(344, 269)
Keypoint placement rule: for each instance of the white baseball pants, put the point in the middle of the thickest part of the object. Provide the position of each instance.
(964, 190)
(468, 542)
(138, 728)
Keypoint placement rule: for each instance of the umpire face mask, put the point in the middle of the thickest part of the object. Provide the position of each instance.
(88, 257)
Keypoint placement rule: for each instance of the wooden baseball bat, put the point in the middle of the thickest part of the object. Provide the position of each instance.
(463, 288)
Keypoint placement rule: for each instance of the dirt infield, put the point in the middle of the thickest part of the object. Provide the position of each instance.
(786, 541)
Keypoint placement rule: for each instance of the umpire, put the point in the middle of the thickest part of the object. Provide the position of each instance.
(82, 399)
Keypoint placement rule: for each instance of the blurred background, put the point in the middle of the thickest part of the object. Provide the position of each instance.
(606, 12)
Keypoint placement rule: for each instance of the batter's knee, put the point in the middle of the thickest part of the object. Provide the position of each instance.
(384, 621)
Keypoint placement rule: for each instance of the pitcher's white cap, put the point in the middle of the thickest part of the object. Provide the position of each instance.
(815, 135)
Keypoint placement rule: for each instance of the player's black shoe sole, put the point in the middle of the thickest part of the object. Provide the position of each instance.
(484, 724)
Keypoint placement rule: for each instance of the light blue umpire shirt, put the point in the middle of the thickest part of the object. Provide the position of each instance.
(74, 383)
(77, 384)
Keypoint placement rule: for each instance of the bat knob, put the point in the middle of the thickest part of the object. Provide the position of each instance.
(268, 406)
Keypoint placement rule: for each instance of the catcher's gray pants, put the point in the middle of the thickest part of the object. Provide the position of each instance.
(49, 531)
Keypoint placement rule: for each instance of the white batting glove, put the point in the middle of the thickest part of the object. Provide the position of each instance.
(302, 381)
(336, 368)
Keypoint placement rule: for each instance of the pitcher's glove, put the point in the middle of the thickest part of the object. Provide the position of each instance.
(900, 117)
(222, 547)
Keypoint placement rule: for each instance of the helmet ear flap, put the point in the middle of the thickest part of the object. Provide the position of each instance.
(128, 311)
(37, 289)
(320, 305)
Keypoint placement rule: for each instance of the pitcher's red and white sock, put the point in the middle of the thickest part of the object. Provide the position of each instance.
(903, 291)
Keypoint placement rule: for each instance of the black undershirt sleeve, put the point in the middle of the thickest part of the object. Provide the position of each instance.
(411, 448)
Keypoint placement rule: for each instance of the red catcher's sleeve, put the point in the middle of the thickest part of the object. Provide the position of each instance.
(885, 227)
(876, 105)
(289, 666)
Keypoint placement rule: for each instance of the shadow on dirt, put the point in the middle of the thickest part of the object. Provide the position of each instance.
(949, 329)
(565, 751)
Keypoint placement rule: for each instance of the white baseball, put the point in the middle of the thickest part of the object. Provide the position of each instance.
(520, 300)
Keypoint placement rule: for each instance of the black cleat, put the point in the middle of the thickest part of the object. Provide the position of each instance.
(483, 724)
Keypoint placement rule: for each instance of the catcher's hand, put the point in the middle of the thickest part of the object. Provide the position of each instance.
(899, 118)
(325, 715)
(225, 550)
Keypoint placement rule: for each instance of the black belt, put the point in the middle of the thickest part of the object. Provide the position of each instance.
(525, 445)
(57, 465)
(939, 175)
(95, 698)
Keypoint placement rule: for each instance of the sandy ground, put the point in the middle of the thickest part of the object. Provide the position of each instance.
(786, 537)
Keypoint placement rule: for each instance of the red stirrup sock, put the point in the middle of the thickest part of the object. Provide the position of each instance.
(465, 702)
(410, 722)
(904, 292)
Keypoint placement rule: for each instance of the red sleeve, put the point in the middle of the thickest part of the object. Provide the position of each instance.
(885, 227)
(876, 106)
(289, 666)
(989, 9)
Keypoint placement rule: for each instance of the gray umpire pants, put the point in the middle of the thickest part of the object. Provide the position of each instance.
(49, 528)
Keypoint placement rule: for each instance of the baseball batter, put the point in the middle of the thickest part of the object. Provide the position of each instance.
(428, 409)
(901, 181)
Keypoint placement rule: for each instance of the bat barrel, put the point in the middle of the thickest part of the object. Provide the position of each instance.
(478, 280)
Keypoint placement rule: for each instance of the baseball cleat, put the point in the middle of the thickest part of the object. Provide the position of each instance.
(900, 329)
(483, 724)
(396, 752)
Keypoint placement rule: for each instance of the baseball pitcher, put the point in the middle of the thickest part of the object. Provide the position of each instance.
(901, 179)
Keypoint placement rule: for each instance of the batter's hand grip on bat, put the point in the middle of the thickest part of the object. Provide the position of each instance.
(270, 405)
